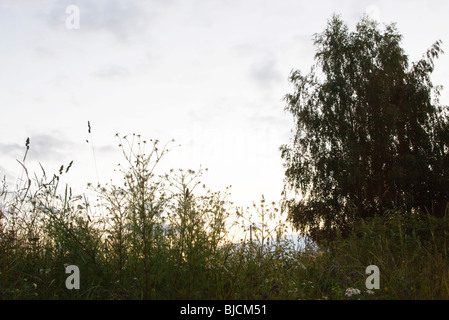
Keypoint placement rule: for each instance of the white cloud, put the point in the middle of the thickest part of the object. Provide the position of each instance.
(11, 149)
(118, 17)
(266, 73)
(211, 74)
(111, 71)
(373, 12)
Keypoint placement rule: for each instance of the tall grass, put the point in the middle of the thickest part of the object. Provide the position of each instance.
(166, 235)
(411, 251)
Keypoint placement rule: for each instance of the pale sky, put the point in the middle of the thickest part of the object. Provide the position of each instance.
(210, 74)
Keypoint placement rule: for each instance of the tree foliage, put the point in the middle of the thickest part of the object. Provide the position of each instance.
(370, 131)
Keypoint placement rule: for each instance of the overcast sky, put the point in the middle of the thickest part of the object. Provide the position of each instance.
(210, 74)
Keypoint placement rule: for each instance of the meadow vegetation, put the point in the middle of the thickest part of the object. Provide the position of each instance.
(168, 236)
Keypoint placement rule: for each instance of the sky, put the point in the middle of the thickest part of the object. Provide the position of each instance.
(210, 74)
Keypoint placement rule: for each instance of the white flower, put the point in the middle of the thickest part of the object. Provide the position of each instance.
(352, 291)
(47, 271)
(118, 192)
(369, 291)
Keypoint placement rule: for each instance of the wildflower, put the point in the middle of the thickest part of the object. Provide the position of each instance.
(275, 288)
(352, 291)
(370, 291)
(208, 265)
(308, 283)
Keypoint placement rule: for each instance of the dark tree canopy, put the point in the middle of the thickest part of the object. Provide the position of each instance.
(370, 132)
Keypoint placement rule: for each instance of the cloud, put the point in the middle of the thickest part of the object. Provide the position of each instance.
(2, 172)
(12, 149)
(43, 52)
(122, 18)
(105, 149)
(45, 146)
(265, 72)
(111, 71)
(6, 176)
(42, 146)
(373, 12)
(22, 4)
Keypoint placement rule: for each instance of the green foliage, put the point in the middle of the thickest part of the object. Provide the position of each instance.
(370, 133)
(155, 236)
(172, 239)
(411, 251)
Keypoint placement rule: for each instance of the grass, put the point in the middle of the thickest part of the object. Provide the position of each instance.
(168, 236)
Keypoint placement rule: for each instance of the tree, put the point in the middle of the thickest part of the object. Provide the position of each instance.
(370, 131)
